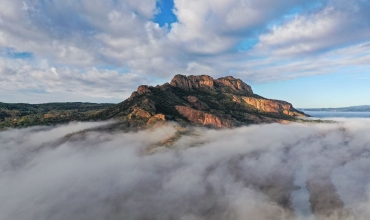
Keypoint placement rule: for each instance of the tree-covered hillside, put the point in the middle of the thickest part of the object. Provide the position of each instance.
(23, 115)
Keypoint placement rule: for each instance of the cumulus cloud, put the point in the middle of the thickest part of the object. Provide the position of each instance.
(74, 33)
(300, 171)
(89, 82)
(260, 41)
(335, 25)
(213, 27)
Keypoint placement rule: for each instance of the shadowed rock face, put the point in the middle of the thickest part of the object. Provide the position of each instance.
(197, 104)
(200, 100)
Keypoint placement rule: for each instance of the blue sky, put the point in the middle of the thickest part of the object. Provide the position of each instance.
(310, 53)
(165, 13)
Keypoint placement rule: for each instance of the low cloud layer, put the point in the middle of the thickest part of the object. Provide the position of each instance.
(296, 171)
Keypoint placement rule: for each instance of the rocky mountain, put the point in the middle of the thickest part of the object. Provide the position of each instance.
(199, 100)
(196, 100)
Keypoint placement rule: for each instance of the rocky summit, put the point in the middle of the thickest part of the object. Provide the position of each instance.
(199, 100)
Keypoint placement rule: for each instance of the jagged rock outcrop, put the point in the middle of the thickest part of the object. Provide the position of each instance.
(156, 118)
(202, 100)
(208, 83)
(196, 103)
(137, 112)
(140, 90)
(234, 84)
(192, 82)
(274, 106)
(143, 89)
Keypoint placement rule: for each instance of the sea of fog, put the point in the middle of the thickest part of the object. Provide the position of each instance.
(298, 171)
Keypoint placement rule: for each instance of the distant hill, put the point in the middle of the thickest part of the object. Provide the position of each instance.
(197, 100)
(361, 108)
(23, 115)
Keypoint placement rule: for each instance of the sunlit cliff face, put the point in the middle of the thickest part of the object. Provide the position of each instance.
(295, 171)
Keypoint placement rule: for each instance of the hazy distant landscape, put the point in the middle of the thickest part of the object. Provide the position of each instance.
(345, 112)
(362, 108)
(335, 114)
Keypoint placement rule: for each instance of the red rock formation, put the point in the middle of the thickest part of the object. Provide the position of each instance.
(235, 84)
(273, 106)
(156, 118)
(140, 90)
(137, 112)
(203, 118)
(143, 89)
(193, 82)
(196, 103)
(207, 82)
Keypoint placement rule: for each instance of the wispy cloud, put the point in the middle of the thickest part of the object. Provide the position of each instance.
(89, 82)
